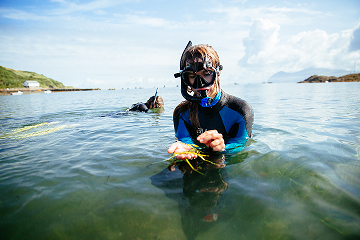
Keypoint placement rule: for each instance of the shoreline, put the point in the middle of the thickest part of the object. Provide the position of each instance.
(42, 90)
(324, 79)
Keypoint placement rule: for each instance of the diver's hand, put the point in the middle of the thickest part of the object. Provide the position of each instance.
(179, 147)
(213, 140)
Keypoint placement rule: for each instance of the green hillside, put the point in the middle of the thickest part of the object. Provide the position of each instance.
(10, 78)
(321, 79)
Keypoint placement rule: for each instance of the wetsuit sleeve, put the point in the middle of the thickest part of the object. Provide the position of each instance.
(181, 131)
(238, 118)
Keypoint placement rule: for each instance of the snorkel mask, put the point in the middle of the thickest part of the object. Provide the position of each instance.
(198, 75)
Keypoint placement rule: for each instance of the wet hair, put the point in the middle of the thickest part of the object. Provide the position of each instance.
(202, 51)
(206, 53)
(158, 103)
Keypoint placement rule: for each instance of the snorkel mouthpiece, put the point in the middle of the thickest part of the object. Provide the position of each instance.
(210, 102)
(203, 93)
(205, 101)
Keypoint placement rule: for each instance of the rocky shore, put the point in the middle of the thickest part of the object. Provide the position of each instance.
(42, 90)
(325, 79)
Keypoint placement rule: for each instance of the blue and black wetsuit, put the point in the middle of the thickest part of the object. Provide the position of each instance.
(231, 116)
(138, 107)
(141, 107)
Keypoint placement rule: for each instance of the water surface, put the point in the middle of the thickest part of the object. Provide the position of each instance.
(67, 173)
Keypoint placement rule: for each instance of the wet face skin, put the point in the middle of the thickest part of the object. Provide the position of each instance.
(205, 74)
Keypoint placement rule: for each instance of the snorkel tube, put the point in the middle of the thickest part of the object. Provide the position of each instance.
(203, 99)
(184, 87)
(155, 97)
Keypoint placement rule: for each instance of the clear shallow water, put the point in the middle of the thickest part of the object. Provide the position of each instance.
(66, 173)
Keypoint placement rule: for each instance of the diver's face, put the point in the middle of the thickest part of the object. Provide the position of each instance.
(209, 90)
(207, 75)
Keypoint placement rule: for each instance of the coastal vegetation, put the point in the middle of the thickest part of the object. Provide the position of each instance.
(10, 78)
(324, 79)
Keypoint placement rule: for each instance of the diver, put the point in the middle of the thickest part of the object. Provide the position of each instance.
(154, 102)
(208, 117)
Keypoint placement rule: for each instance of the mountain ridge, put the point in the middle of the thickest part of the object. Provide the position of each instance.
(285, 77)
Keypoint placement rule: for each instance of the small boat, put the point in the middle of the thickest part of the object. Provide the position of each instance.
(17, 93)
(47, 91)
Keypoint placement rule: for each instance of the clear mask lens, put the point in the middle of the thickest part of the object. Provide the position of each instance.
(198, 74)
(189, 77)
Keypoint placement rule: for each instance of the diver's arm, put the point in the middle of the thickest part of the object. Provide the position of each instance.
(213, 140)
(184, 140)
(238, 117)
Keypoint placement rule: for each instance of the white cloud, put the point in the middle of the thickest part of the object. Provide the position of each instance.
(91, 83)
(297, 9)
(355, 40)
(147, 21)
(294, 15)
(263, 37)
(267, 54)
(19, 14)
(107, 39)
(70, 6)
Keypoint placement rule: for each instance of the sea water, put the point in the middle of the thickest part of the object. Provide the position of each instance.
(69, 169)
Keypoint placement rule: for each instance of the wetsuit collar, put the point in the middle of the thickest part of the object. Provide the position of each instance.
(209, 102)
(217, 107)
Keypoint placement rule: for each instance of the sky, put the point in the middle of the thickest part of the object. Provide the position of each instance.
(138, 43)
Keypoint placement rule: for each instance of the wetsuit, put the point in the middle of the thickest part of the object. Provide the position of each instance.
(231, 116)
(141, 107)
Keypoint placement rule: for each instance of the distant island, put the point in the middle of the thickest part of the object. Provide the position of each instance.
(295, 77)
(12, 81)
(325, 79)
